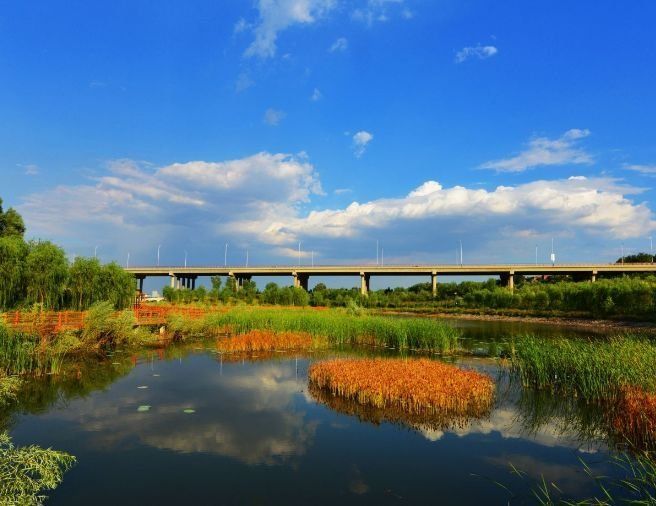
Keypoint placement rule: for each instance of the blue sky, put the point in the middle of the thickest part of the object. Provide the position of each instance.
(336, 123)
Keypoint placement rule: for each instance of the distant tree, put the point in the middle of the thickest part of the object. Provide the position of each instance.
(13, 252)
(216, 283)
(84, 282)
(11, 223)
(319, 287)
(638, 258)
(47, 272)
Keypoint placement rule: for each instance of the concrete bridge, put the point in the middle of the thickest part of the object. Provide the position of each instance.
(185, 277)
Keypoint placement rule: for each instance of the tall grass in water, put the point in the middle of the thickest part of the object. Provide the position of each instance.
(22, 353)
(425, 387)
(595, 370)
(340, 328)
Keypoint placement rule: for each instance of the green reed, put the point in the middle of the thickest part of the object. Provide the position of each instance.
(592, 369)
(341, 328)
(21, 353)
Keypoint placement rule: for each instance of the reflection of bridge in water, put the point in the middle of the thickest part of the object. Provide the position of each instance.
(185, 277)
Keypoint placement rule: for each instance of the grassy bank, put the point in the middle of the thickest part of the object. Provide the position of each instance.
(337, 326)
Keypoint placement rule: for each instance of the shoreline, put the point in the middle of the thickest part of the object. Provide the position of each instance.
(547, 320)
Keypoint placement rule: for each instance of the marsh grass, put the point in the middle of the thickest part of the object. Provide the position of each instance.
(414, 386)
(338, 327)
(266, 340)
(592, 369)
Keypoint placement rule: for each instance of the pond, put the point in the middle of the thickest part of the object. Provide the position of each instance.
(187, 425)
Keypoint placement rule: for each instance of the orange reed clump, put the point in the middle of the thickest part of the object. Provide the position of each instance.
(635, 417)
(266, 340)
(417, 386)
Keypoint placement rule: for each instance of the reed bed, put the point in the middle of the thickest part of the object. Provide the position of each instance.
(340, 328)
(415, 387)
(634, 418)
(266, 340)
(594, 370)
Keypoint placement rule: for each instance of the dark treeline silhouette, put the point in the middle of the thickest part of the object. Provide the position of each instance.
(38, 272)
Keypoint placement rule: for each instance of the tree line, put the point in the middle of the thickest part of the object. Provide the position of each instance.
(614, 296)
(38, 273)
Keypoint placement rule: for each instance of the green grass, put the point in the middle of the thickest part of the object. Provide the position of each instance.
(340, 328)
(592, 369)
(27, 472)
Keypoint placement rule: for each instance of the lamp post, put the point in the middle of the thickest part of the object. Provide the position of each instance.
(158, 248)
(460, 253)
(185, 258)
(536, 254)
(299, 253)
(246, 257)
(313, 259)
(95, 251)
(225, 256)
(376, 252)
(651, 249)
(127, 262)
(622, 257)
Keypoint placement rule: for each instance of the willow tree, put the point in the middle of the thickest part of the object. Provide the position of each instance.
(13, 252)
(11, 223)
(84, 282)
(47, 272)
(116, 285)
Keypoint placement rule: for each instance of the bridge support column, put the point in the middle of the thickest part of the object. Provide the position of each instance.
(193, 283)
(233, 280)
(593, 276)
(434, 283)
(508, 279)
(364, 284)
(141, 282)
(297, 282)
(303, 281)
(172, 276)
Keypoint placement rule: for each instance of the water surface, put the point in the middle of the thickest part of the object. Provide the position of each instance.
(257, 436)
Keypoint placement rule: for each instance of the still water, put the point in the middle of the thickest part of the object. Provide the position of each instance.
(187, 426)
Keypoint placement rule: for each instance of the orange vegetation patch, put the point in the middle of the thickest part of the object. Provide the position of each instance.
(266, 340)
(635, 417)
(414, 386)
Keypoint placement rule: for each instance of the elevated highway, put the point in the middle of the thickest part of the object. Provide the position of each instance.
(185, 277)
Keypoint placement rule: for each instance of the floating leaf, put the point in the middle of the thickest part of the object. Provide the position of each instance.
(156, 375)
(143, 408)
(189, 411)
(142, 387)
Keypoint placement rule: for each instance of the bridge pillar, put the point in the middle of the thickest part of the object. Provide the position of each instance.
(508, 279)
(364, 283)
(141, 282)
(297, 282)
(172, 280)
(593, 276)
(303, 281)
(434, 283)
(233, 280)
(193, 282)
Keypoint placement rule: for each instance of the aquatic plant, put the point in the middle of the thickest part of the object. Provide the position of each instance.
(415, 386)
(593, 369)
(266, 340)
(27, 472)
(9, 386)
(341, 328)
(634, 418)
